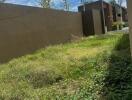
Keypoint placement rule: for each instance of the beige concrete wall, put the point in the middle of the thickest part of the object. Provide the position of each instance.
(129, 2)
(25, 29)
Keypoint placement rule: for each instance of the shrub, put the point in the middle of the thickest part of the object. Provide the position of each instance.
(43, 78)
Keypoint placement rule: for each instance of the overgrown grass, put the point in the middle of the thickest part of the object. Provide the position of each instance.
(94, 68)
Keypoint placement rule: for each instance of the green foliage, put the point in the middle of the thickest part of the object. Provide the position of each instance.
(118, 25)
(113, 2)
(123, 43)
(94, 68)
(43, 78)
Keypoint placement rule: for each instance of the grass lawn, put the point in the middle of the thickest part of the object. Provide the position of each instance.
(94, 68)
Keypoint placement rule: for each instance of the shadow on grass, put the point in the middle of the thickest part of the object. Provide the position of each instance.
(118, 81)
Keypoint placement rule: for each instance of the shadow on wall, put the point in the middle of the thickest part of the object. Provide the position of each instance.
(8, 55)
(118, 81)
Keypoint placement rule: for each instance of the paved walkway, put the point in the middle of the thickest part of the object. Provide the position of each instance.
(124, 30)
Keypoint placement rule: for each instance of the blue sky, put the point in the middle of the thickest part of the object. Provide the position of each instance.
(57, 3)
(23, 2)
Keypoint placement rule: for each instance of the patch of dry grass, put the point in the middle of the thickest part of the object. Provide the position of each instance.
(71, 71)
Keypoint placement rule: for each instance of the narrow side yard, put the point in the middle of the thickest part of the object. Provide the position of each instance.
(94, 68)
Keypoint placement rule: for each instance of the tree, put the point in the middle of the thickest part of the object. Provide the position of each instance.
(82, 1)
(113, 2)
(49, 3)
(66, 5)
(120, 2)
(120, 8)
(45, 3)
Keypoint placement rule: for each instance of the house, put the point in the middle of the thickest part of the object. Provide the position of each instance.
(124, 14)
(117, 13)
(110, 13)
(107, 18)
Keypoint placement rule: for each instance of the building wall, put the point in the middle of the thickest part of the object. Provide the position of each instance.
(25, 29)
(97, 22)
(107, 12)
(92, 25)
(124, 15)
(129, 2)
(88, 24)
(109, 17)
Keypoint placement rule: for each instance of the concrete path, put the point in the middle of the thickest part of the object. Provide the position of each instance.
(124, 30)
